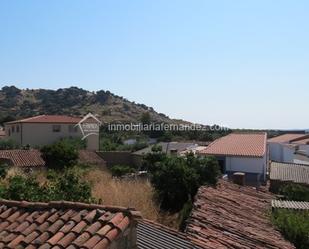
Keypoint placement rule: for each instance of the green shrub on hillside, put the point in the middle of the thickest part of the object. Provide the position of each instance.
(294, 225)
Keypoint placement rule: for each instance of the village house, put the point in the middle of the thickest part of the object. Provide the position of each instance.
(47, 129)
(241, 152)
(284, 147)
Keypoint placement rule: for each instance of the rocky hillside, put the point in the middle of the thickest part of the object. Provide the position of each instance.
(18, 103)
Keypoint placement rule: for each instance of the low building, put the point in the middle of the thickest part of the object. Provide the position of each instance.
(233, 216)
(2, 134)
(46, 129)
(283, 148)
(61, 224)
(283, 173)
(241, 152)
(291, 205)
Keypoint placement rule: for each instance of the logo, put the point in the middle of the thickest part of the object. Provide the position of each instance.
(89, 125)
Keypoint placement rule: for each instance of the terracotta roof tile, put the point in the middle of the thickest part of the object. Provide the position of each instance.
(23, 158)
(61, 224)
(233, 216)
(286, 138)
(48, 119)
(238, 144)
(91, 157)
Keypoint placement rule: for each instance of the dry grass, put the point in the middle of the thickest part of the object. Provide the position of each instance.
(138, 194)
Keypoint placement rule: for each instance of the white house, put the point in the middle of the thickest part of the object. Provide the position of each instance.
(283, 148)
(241, 152)
(46, 129)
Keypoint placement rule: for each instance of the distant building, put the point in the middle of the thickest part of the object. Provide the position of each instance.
(283, 148)
(241, 152)
(46, 129)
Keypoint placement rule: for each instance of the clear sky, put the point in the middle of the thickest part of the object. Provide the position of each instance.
(244, 64)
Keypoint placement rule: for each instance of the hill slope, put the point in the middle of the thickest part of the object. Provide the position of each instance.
(17, 103)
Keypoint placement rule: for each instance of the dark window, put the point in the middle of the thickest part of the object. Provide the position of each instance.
(17, 128)
(56, 128)
(13, 128)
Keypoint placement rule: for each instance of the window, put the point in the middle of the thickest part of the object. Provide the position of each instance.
(9, 132)
(17, 128)
(56, 128)
(13, 128)
(72, 129)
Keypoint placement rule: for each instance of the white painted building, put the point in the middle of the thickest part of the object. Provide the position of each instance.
(47, 129)
(283, 148)
(241, 152)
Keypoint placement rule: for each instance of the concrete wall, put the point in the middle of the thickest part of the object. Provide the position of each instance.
(251, 165)
(117, 157)
(38, 134)
(304, 148)
(281, 152)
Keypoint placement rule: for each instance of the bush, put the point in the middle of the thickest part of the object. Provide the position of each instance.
(60, 154)
(8, 144)
(3, 170)
(294, 225)
(67, 186)
(294, 192)
(120, 170)
(175, 183)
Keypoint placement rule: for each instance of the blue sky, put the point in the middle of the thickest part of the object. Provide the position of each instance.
(243, 64)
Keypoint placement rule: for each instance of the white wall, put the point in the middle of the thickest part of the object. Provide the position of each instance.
(305, 148)
(281, 152)
(288, 154)
(254, 165)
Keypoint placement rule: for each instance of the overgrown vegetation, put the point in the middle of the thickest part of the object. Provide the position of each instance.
(60, 154)
(295, 192)
(66, 185)
(177, 179)
(294, 225)
(8, 144)
(121, 170)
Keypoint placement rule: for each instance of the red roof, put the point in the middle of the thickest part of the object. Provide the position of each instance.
(23, 158)
(48, 119)
(233, 216)
(286, 138)
(302, 141)
(61, 224)
(238, 144)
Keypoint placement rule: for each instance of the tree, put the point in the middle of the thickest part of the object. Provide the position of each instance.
(146, 118)
(175, 183)
(60, 154)
(8, 144)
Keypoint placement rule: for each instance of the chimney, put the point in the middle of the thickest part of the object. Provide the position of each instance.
(239, 178)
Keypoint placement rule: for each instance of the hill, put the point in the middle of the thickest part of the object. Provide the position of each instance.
(20, 103)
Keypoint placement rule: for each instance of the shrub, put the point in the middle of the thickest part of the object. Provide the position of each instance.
(60, 154)
(8, 144)
(294, 192)
(294, 225)
(3, 170)
(120, 170)
(67, 186)
(175, 183)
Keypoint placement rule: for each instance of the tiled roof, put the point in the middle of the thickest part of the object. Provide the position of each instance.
(286, 138)
(289, 172)
(61, 225)
(90, 157)
(23, 158)
(48, 119)
(302, 141)
(151, 235)
(238, 144)
(233, 216)
(295, 205)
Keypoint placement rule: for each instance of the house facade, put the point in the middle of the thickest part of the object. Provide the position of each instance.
(47, 129)
(283, 148)
(241, 152)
